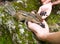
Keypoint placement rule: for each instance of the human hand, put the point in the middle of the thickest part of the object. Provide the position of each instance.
(46, 8)
(38, 30)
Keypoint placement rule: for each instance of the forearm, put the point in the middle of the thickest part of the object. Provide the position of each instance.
(53, 38)
(56, 2)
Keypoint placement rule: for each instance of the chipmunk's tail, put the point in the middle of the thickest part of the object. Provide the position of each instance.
(9, 9)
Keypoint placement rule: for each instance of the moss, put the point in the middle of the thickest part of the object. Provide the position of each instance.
(53, 18)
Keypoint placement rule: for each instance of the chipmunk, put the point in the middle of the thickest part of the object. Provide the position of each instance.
(23, 15)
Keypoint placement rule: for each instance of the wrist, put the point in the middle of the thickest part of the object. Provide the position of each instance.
(43, 37)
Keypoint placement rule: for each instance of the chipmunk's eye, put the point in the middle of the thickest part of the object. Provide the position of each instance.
(42, 13)
(24, 14)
